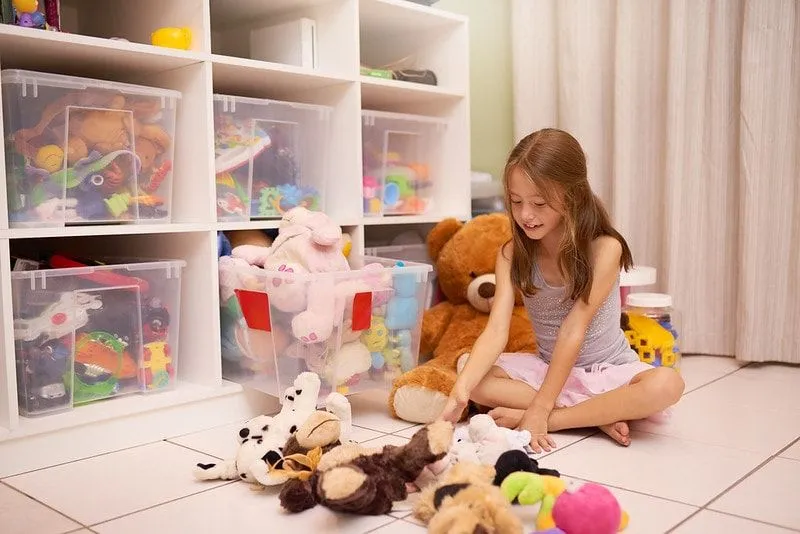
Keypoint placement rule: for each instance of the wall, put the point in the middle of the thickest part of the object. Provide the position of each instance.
(492, 114)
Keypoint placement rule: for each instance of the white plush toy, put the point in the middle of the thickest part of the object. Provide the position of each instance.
(262, 438)
(480, 441)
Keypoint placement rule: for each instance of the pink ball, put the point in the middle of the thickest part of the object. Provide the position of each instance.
(592, 509)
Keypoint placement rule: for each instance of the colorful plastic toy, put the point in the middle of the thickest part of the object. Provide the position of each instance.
(653, 342)
(94, 155)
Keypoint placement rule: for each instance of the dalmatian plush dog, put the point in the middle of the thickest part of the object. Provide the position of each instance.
(261, 439)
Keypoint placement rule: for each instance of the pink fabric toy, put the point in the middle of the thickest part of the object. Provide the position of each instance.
(308, 242)
(592, 509)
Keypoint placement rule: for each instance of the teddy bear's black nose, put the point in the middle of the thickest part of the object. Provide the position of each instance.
(486, 290)
(243, 433)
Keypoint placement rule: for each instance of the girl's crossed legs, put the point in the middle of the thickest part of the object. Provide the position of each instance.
(648, 393)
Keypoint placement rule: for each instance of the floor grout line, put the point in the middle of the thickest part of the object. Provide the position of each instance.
(98, 455)
(59, 512)
(746, 476)
(196, 450)
(217, 486)
(760, 521)
(638, 492)
(726, 375)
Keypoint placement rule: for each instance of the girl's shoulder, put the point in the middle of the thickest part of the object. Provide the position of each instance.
(606, 247)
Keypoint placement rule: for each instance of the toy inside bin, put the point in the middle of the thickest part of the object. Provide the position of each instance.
(400, 162)
(83, 151)
(88, 333)
(356, 329)
(270, 156)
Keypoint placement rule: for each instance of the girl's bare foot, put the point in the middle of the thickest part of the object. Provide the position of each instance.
(507, 417)
(619, 432)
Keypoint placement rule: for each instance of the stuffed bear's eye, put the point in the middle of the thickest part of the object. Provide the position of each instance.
(293, 429)
(265, 428)
(472, 274)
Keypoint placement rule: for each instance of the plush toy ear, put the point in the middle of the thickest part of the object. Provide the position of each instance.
(440, 235)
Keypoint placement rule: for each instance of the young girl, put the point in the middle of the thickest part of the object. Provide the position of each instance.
(565, 257)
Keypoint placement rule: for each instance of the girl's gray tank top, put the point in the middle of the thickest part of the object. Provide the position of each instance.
(605, 342)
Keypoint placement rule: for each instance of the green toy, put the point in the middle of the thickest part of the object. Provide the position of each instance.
(74, 176)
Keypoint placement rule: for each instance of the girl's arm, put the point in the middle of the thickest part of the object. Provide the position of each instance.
(606, 253)
(494, 337)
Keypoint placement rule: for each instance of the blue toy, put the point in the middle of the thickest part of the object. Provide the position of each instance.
(223, 245)
(402, 309)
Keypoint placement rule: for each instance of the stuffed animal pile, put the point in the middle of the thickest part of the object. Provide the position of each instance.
(480, 471)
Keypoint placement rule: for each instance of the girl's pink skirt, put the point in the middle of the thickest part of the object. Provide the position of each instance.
(581, 384)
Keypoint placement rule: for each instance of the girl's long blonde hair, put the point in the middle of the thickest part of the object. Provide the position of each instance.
(554, 161)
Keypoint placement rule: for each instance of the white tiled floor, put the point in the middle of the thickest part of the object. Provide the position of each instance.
(728, 461)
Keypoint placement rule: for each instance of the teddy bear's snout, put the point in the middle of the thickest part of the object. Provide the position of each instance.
(480, 292)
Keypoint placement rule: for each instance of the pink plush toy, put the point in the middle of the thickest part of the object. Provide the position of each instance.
(592, 509)
(308, 242)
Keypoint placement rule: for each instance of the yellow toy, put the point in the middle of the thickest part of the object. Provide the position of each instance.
(157, 367)
(180, 38)
(377, 337)
(652, 342)
(49, 158)
(25, 6)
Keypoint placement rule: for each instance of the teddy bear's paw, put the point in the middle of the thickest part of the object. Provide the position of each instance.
(338, 405)
(440, 437)
(215, 471)
(342, 483)
(417, 404)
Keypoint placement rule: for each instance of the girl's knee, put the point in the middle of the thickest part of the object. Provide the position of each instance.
(666, 384)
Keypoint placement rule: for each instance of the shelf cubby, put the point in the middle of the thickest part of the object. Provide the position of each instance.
(349, 33)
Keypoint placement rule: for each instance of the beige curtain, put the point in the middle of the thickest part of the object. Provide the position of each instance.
(689, 111)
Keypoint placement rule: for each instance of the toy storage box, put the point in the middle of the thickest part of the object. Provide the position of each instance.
(270, 156)
(88, 333)
(400, 161)
(357, 329)
(86, 151)
(417, 253)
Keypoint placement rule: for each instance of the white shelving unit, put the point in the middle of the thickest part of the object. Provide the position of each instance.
(349, 33)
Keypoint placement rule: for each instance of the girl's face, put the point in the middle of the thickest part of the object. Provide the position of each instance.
(530, 209)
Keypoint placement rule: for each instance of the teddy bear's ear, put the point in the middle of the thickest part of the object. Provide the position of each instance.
(440, 235)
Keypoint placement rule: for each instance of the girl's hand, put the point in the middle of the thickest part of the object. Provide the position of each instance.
(456, 403)
(535, 421)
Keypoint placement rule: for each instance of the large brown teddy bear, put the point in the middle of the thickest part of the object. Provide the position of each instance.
(465, 255)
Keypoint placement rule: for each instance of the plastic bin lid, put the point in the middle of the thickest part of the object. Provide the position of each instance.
(74, 82)
(649, 300)
(638, 276)
(372, 115)
(267, 101)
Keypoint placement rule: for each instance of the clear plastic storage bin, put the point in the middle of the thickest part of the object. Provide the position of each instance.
(356, 329)
(652, 325)
(270, 156)
(82, 151)
(400, 161)
(88, 333)
(417, 253)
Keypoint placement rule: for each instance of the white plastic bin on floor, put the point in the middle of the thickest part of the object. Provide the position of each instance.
(357, 329)
(88, 333)
(270, 156)
(83, 151)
